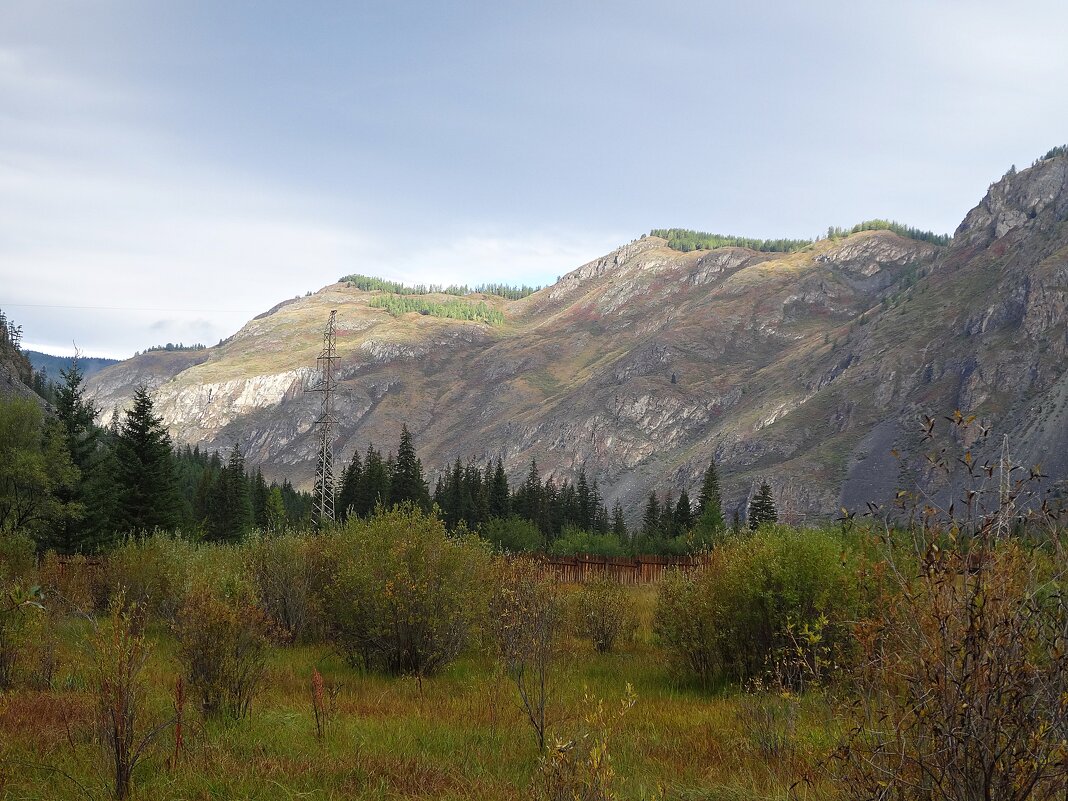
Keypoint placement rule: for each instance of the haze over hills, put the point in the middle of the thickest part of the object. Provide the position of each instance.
(803, 368)
(52, 365)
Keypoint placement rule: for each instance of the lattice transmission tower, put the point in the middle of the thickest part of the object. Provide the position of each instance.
(325, 425)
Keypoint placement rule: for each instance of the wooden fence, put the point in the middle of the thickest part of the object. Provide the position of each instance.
(633, 570)
(624, 569)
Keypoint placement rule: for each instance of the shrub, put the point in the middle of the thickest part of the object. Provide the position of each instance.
(72, 586)
(16, 558)
(574, 540)
(19, 610)
(580, 769)
(119, 653)
(512, 534)
(222, 646)
(152, 572)
(525, 617)
(287, 570)
(405, 596)
(604, 613)
(773, 603)
(964, 678)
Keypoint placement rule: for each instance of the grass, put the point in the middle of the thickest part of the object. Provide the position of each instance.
(458, 735)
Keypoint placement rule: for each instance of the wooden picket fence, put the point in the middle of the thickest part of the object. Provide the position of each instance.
(633, 570)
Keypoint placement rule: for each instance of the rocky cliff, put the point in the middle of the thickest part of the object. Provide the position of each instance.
(804, 369)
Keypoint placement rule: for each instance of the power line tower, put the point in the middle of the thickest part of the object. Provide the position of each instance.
(325, 424)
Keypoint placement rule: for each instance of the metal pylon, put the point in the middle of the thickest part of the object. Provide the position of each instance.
(325, 424)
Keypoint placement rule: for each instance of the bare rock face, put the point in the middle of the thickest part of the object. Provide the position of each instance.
(804, 369)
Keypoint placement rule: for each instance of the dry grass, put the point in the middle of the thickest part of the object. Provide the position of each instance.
(459, 735)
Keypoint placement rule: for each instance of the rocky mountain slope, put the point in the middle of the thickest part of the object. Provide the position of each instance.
(804, 369)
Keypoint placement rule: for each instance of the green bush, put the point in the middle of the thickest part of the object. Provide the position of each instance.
(287, 570)
(405, 596)
(511, 534)
(575, 540)
(774, 604)
(16, 557)
(603, 612)
(152, 572)
(223, 641)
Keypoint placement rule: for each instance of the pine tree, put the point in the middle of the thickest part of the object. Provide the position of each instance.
(374, 484)
(528, 497)
(709, 504)
(667, 516)
(499, 498)
(584, 503)
(408, 484)
(350, 487)
(148, 494)
(619, 522)
(762, 508)
(651, 518)
(76, 415)
(683, 514)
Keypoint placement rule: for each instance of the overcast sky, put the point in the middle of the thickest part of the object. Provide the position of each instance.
(168, 170)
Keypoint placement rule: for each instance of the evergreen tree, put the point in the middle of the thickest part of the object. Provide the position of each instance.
(651, 518)
(619, 522)
(147, 490)
(762, 508)
(709, 505)
(667, 516)
(408, 484)
(76, 416)
(683, 514)
(528, 498)
(232, 501)
(584, 503)
(374, 484)
(350, 487)
(499, 505)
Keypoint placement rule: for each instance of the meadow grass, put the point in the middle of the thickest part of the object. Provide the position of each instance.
(457, 735)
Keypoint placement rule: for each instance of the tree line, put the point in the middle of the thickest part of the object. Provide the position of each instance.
(451, 309)
(369, 283)
(73, 486)
(540, 514)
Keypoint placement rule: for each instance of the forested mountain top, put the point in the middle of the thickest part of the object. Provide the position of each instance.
(51, 365)
(685, 240)
(803, 369)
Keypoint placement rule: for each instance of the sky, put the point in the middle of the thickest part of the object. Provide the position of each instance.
(169, 170)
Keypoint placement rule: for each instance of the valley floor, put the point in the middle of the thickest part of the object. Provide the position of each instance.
(459, 735)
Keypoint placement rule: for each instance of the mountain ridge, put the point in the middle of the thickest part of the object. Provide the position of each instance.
(801, 368)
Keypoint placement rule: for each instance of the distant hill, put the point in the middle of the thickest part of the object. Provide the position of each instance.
(53, 364)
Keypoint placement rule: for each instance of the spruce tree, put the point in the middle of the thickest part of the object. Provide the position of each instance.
(651, 518)
(374, 484)
(350, 486)
(147, 490)
(408, 484)
(667, 516)
(619, 522)
(584, 504)
(499, 505)
(762, 508)
(683, 514)
(80, 532)
(709, 504)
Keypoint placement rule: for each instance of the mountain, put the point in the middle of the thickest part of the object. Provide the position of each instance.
(805, 369)
(52, 365)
